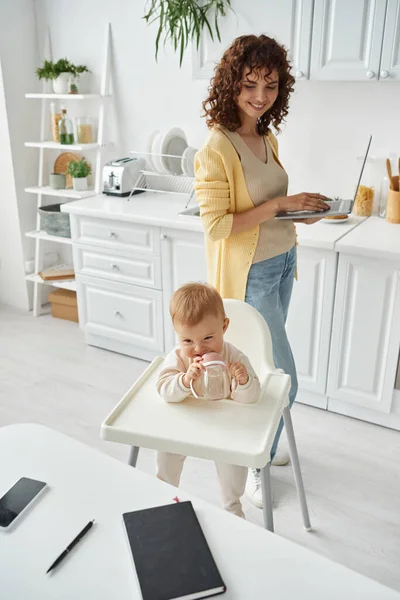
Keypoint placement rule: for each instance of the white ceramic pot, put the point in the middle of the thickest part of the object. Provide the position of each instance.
(80, 184)
(61, 84)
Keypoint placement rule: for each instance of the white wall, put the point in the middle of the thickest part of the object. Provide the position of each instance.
(327, 128)
(18, 56)
(12, 281)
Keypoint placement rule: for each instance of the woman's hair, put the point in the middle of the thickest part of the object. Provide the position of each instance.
(255, 54)
(194, 301)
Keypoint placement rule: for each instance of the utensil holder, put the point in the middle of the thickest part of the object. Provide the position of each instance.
(393, 207)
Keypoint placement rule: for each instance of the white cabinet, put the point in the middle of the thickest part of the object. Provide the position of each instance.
(288, 21)
(310, 320)
(183, 260)
(390, 63)
(365, 339)
(119, 317)
(356, 41)
(118, 274)
(347, 39)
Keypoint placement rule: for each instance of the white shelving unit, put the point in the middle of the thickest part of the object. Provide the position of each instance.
(46, 190)
(57, 146)
(42, 189)
(48, 96)
(66, 284)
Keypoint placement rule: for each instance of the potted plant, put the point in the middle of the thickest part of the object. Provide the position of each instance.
(79, 171)
(63, 74)
(182, 21)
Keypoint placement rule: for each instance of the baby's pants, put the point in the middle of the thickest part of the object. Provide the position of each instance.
(232, 479)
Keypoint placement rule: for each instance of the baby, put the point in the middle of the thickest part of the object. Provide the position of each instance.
(199, 320)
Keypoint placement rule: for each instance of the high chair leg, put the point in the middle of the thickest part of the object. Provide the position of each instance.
(296, 467)
(133, 456)
(267, 498)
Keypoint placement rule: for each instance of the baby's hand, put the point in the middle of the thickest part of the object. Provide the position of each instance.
(239, 372)
(193, 372)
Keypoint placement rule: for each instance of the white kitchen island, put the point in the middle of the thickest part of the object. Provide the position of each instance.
(129, 257)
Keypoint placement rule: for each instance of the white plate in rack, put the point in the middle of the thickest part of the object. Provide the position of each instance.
(173, 143)
(188, 161)
(149, 158)
(156, 151)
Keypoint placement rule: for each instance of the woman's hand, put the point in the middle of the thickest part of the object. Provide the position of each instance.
(303, 201)
(193, 372)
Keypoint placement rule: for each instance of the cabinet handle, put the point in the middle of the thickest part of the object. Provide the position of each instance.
(117, 313)
(370, 74)
(384, 74)
(115, 267)
(299, 74)
(113, 234)
(163, 237)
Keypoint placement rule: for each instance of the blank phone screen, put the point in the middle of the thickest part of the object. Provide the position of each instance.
(17, 499)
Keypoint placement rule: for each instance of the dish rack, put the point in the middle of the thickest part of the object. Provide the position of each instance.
(172, 181)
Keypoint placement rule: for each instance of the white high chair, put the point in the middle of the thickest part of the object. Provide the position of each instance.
(222, 431)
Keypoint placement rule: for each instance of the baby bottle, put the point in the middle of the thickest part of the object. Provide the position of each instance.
(215, 383)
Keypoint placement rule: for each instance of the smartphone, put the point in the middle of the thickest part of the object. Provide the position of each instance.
(18, 498)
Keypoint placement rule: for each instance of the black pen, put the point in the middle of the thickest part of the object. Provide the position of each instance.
(71, 545)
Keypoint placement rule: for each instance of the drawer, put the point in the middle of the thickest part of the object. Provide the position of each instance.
(124, 313)
(117, 235)
(137, 269)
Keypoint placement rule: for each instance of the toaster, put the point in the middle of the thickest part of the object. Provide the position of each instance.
(122, 175)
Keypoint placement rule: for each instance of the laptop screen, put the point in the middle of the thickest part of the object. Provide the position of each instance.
(362, 168)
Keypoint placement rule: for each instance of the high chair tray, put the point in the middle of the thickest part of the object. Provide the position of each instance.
(224, 430)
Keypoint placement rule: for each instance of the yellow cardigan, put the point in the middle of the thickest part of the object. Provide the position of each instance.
(221, 191)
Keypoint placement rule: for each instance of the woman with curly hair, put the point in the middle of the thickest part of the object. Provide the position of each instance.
(241, 186)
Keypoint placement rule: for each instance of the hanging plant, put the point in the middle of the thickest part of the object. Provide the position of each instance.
(182, 21)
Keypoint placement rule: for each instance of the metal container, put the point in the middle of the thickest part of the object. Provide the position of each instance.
(53, 221)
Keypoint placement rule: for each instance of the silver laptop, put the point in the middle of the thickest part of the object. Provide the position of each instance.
(336, 207)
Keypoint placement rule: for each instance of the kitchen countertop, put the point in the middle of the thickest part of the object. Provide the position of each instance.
(375, 238)
(161, 210)
(149, 208)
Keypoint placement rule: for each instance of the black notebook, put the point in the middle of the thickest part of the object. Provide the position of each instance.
(171, 554)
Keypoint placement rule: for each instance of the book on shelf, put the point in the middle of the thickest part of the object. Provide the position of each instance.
(56, 272)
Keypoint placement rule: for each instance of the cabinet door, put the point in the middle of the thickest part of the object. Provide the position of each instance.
(390, 64)
(365, 334)
(183, 260)
(288, 21)
(309, 321)
(347, 39)
(127, 315)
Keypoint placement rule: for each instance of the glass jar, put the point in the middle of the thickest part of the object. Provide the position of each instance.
(73, 84)
(364, 202)
(84, 128)
(55, 116)
(65, 128)
(385, 184)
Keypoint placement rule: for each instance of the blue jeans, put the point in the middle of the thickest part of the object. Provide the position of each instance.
(269, 288)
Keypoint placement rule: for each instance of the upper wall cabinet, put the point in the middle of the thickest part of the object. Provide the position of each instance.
(390, 63)
(355, 41)
(288, 21)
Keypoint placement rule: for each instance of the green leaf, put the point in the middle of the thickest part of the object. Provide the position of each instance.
(182, 21)
(160, 29)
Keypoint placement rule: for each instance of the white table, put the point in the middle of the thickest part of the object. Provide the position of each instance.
(86, 484)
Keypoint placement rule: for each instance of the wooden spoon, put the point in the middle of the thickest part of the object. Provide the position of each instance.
(389, 172)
